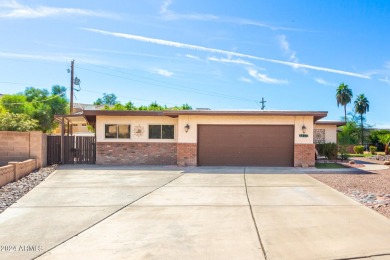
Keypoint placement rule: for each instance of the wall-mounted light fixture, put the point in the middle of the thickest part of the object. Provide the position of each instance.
(186, 128)
(303, 128)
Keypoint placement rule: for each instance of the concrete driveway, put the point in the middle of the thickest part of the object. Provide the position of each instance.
(91, 212)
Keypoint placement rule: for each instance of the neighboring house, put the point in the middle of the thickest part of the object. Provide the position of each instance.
(209, 137)
(325, 131)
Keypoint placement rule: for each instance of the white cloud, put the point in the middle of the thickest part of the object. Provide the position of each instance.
(385, 79)
(50, 57)
(171, 15)
(264, 78)
(244, 79)
(292, 55)
(12, 9)
(164, 73)
(259, 24)
(192, 57)
(230, 60)
(164, 6)
(324, 82)
(228, 53)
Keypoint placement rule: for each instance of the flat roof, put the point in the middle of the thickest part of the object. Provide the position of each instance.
(90, 115)
(73, 119)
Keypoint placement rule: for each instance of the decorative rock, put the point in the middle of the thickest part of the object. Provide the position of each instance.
(386, 162)
(351, 162)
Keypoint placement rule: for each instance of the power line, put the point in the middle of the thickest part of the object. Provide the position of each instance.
(132, 98)
(171, 85)
(90, 91)
(183, 88)
(37, 101)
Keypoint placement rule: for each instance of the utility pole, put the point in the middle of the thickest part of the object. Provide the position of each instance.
(71, 85)
(262, 102)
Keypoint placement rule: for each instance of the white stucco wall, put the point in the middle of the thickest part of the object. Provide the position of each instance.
(194, 121)
(330, 132)
(143, 121)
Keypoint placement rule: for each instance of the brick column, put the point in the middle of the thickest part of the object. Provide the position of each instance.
(38, 148)
(304, 155)
(187, 154)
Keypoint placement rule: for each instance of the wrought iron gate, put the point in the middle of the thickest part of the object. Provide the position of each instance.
(77, 150)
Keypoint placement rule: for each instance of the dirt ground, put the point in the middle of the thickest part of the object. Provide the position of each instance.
(369, 188)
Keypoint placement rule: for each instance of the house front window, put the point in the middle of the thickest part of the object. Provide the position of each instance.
(161, 132)
(115, 131)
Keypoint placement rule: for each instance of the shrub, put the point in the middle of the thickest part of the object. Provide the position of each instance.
(329, 150)
(343, 150)
(17, 122)
(373, 150)
(359, 149)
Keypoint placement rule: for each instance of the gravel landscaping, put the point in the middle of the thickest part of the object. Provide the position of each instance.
(371, 188)
(13, 191)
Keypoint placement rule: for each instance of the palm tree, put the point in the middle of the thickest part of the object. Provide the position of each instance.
(343, 97)
(362, 106)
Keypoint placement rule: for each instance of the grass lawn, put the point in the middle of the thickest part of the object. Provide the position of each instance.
(359, 155)
(366, 154)
(329, 166)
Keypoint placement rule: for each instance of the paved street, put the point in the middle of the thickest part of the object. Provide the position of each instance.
(85, 212)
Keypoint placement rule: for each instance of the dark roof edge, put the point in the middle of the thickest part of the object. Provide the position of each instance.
(122, 113)
(175, 113)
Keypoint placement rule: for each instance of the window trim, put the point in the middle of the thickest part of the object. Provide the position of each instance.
(161, 138)
(117, 132)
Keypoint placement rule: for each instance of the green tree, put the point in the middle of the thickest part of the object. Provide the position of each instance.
(374, 136)
(118, 106)
(130, 106)
(362, 106)
(35, 94)
(59, 90)
(39, 104)
(344, 96)
(156, 107)
(182, 107)
(349, 133)
(107, 99)
(16, 104)
(384, 138)
(142, 108)
(17, 122)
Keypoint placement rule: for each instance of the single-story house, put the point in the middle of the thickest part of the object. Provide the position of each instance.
(210, 137)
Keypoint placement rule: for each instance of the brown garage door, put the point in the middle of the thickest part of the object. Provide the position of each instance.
(246, 145)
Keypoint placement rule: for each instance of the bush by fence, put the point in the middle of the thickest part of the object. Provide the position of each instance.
(329, 150)
(373, 150)
(359, 149)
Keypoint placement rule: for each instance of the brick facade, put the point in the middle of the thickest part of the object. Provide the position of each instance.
(187, 154)
(136, 153)
(304, 155)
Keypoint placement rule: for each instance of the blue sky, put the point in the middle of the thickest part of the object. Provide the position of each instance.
(215, 54)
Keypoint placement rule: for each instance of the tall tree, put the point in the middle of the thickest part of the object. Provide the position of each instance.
(362, 106)
(108, 99)
(344, 96)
